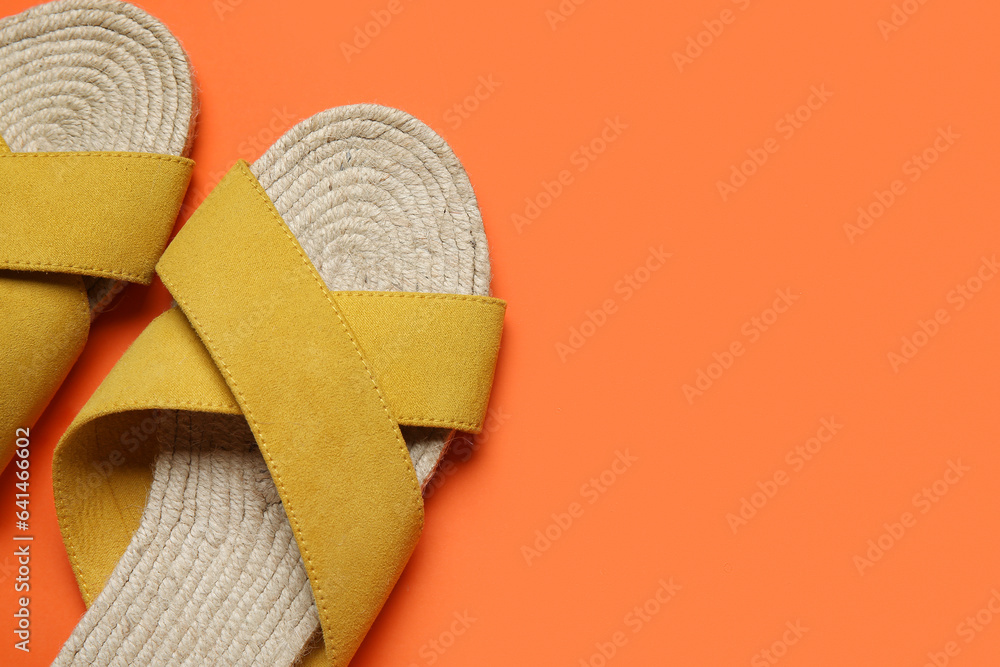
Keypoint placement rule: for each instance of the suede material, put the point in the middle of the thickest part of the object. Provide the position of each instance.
(306, 367)
(102, 466)
(432, 355)
(71, 214)
(336, 456)
(95, 214)
(44, 321)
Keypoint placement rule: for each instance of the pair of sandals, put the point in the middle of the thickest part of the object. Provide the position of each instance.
(244, 488)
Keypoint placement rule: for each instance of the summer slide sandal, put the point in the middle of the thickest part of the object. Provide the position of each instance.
(96, 111)
(262, 445)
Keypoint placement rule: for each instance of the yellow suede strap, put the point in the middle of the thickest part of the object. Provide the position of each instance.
(105, 214)
(44, 321)
(432, 355)
(69, 213)
(102, 467)
(306, 377)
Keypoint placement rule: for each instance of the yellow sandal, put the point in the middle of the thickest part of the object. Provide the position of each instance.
(347, 395)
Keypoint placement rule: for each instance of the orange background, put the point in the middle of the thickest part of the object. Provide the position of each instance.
(558, 423)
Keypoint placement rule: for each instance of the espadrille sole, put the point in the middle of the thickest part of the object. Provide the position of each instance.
(214, 573)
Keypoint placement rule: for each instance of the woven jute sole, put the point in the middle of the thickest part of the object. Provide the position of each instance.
(213, 575)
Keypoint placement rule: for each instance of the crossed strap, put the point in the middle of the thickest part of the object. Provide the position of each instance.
(324, 380)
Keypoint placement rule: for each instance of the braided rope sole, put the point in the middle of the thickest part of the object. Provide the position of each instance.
(213, 575)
